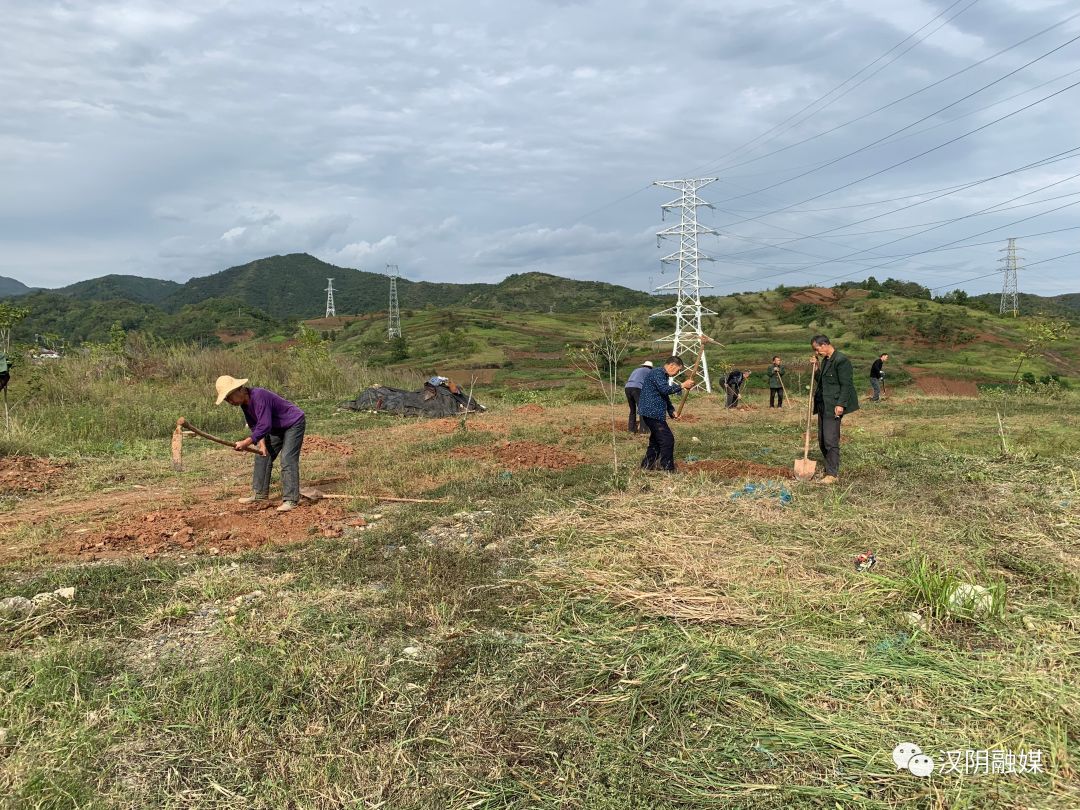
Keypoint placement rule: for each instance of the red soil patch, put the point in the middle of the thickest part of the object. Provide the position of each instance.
(819, 296)
(227, 337)
(523, 455)
(228, 527)
(320, 444)
(19, 474)
(728, 468)
(941, 386)
(529, 410)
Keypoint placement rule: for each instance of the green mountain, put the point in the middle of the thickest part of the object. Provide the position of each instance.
(77, 321)
(1062, 306)
(126, 288)
(293, 286)
(10, 287)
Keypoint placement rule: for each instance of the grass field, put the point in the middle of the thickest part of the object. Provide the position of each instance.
(545, 637)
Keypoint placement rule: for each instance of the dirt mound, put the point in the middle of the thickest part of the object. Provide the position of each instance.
(729, 468)
(529, 410)
(523, 455)
(320, 444)
(819, 296)
(218, 527)
(20, 474)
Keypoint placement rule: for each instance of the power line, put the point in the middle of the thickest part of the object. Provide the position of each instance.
(1057, 158)
(913, 157)
(893, 103)
(915, 253)
(998, 272)
(855, 75)
(641, 189)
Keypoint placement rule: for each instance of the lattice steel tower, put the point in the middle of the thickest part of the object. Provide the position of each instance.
(330, 311)
(393, 330)
(687, 285)
(1010, 299)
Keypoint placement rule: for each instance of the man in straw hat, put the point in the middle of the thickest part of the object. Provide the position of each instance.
(281, 423)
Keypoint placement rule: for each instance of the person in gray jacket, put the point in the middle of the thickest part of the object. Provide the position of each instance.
(633, 394)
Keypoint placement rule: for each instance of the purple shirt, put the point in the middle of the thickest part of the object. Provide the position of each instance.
(266, 412)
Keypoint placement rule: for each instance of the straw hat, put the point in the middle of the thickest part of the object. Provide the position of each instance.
(225, 385)
(647, 363)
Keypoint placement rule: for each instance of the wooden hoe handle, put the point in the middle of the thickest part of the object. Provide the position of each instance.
(184, 424)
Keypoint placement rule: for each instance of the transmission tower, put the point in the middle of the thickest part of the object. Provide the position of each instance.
(393, 330)
(1010, 299)
(687, 285)
(330, 311)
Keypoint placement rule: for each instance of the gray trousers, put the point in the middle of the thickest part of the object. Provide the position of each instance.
(286, 445)
(828, 432)
(875, 383)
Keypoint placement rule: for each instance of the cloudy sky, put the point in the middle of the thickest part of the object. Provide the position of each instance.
(464, 141)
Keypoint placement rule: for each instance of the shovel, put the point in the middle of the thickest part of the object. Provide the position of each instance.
(805, 467)
(183, 426)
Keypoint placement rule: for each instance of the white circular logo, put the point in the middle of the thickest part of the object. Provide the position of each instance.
(921, 765)
(903, 753)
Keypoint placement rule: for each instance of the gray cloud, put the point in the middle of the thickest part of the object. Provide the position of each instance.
(466, 141)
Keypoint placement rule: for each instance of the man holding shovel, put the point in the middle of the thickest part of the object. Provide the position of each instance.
(281, 423)
(833, 398)
(654, 406)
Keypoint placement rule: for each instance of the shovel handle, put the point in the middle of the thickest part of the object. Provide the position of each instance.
(809, 415)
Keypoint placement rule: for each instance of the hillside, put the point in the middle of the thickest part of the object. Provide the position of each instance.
(121, 288)
(526, 351)
(76, 321)
(293, 286)
(1062, 306)
(10, 287)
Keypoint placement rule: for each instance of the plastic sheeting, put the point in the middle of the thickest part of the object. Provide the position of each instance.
(431, 401)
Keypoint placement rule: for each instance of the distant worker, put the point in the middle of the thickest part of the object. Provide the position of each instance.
(654, 406)
(734, 383)
(5, 371)
(776, 384)
(633, 394)
(281, 424)
(877, 376)
(834, 397)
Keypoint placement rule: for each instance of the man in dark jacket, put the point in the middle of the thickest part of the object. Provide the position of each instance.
(834, 396)
(654, 406)
(633, 394)
(734, 384)
(877, 376)
(776, 384)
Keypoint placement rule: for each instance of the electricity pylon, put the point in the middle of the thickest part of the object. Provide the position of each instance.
(1010, 299)
(393, 329)
(687, 285)
(330, 311)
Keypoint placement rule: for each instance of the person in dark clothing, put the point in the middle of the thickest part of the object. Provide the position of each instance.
(877, 376)
(834, 396)
(734, 384)
(633, 393)
(5, 369)
(776, 384)
(654, 406)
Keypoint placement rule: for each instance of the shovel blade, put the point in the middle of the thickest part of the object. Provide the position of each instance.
(177, 449)
(805, 468)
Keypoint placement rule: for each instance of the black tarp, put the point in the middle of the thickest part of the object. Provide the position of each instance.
(431, 401)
